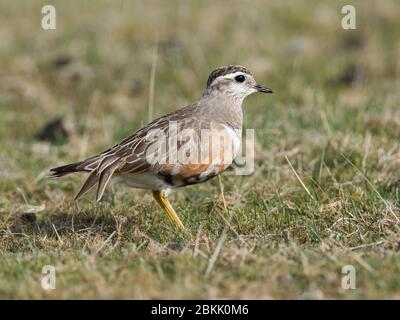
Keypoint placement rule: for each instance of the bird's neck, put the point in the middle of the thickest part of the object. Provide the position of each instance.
(223, 107)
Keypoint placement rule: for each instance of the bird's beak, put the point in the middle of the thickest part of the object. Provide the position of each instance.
(261, 88)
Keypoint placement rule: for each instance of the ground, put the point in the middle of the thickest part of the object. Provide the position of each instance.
(326, 188)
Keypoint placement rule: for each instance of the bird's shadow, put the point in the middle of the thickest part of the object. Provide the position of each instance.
(61, 223)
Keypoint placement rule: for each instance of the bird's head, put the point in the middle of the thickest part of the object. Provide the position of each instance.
(235, 81)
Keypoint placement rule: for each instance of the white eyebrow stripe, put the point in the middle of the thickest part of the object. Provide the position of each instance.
(230, 76)
(235, 74)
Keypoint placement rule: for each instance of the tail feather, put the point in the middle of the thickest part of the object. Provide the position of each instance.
(101, 171)
(67, 169)
(82, 166)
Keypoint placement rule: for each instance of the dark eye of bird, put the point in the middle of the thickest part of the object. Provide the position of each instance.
(240, 78)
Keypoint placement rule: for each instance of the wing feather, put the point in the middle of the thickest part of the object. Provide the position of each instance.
(104, 179)
(87, 185)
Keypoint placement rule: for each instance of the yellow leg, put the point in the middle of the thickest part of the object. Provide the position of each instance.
(162, 200)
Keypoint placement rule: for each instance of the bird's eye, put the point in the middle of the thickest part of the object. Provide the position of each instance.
(240, 78)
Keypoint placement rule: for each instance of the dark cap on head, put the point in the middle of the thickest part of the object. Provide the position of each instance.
(222, 71)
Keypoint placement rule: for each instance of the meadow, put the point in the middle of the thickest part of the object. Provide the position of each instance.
(325, 192)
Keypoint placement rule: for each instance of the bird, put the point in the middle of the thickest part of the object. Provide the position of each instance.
(159, 157)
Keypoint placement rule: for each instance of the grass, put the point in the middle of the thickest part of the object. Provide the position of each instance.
(325, 192)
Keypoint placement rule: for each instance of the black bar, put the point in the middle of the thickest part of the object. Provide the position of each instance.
(197, 309)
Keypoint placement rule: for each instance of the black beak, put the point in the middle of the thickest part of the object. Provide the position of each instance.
(261, 88)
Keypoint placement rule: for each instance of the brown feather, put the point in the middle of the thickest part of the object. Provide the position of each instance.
(105, 177)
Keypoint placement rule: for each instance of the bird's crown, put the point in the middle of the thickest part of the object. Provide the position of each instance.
(225, 70)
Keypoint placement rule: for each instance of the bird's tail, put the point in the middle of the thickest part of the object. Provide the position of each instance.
(87, 165)
(81, 166)
(101, 169)
(64, 170)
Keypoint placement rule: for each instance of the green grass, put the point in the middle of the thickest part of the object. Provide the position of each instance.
(278, 241)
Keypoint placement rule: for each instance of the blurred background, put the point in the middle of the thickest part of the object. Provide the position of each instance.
(110, 66)
(94, 70)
